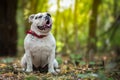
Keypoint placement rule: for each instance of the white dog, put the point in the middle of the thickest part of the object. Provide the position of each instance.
(39, 44)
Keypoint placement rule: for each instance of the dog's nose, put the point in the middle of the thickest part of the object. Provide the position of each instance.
(47, 18)
(48, 15)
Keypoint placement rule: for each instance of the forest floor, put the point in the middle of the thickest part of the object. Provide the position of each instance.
(72, 68)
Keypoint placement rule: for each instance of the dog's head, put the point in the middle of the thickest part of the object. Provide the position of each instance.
(41, 22)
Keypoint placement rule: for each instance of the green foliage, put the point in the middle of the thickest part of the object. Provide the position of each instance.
(82, 62)
(76, 58)
(71, 24)
(92, 63)
(60, 46)
(110, 79)
(102, 75)
(87, 76)
(94, 76)
(7, 60)
(59, 59)
(115, 39)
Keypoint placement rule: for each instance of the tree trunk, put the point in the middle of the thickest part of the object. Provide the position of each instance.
(56, 20)
(75, 26)
(92, 29)
(8, 28)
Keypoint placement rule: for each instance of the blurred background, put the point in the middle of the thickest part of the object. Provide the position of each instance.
(82, 28)
(87, 34)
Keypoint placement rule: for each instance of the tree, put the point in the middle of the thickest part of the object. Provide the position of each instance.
(8, 28)
(93, 28)
(35, 6)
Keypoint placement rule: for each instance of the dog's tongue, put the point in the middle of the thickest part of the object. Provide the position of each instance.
(47, 25)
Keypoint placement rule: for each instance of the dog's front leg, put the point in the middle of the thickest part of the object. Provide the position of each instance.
(51, 63)
(29, 61)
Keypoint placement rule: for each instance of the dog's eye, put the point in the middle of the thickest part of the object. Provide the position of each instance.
(36, 17)
(40, 16)
(48, 15)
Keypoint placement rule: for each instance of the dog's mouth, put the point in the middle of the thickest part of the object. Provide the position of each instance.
(47, 25)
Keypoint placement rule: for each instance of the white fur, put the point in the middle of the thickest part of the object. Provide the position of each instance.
(39, 51)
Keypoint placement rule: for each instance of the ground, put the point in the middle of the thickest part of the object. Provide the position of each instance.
(72, 68)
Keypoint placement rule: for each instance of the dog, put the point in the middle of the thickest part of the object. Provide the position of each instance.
(39, 44)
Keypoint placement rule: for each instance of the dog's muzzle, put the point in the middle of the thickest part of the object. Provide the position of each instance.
(47, 24)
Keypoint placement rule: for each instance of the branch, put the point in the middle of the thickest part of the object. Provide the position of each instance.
(116, 22)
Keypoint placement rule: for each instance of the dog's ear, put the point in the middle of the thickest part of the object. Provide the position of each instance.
(31, 17)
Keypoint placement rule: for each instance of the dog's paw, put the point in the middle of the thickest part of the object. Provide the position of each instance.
(23, 69)
(53, 72)
(29, 70)
(57, 70)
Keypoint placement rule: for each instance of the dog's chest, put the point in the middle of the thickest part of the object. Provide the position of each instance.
(41, 45)
(41, 49)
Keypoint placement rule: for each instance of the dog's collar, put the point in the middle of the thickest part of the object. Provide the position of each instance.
(34, 34)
